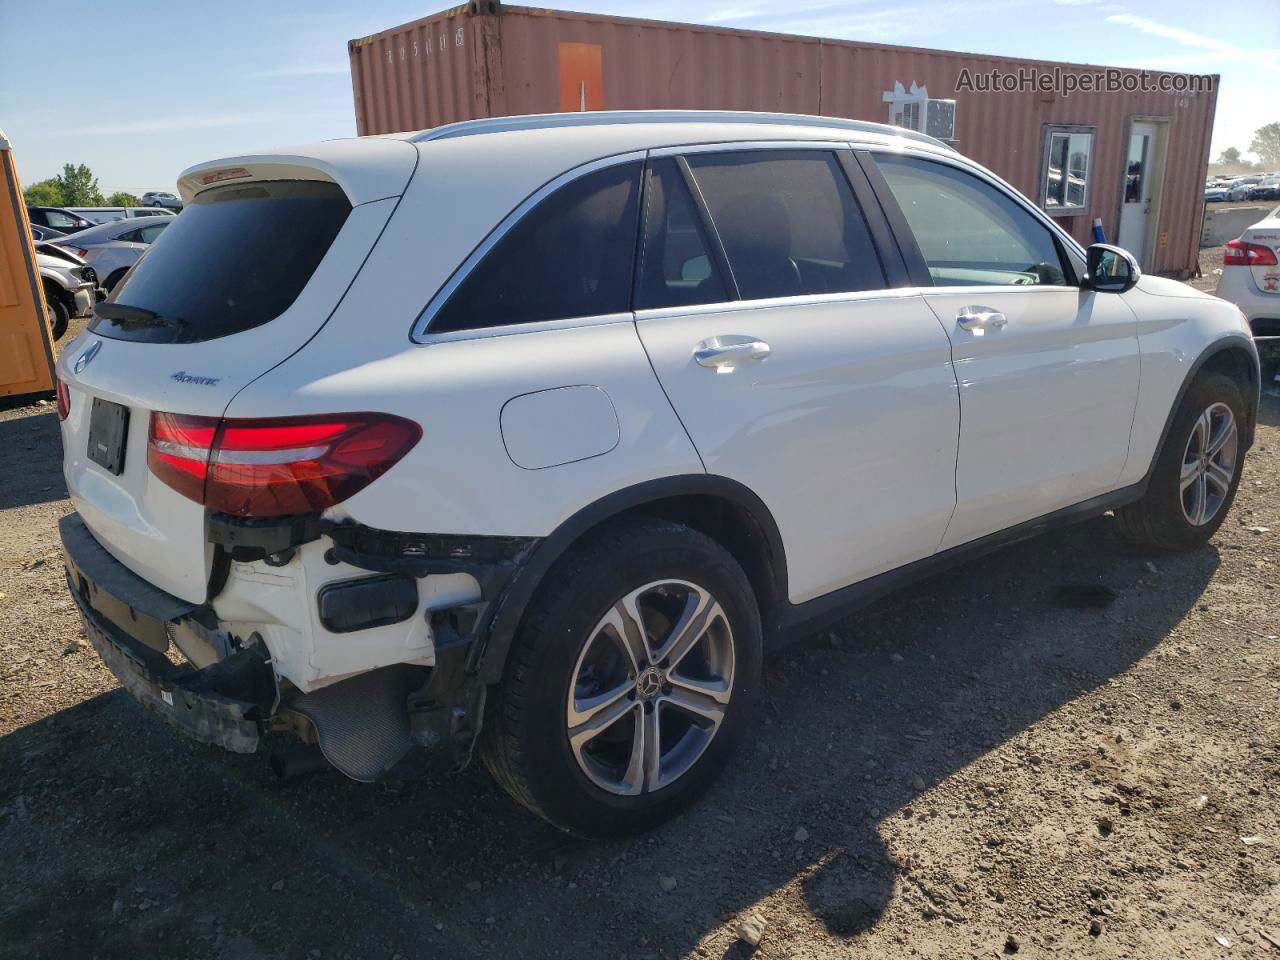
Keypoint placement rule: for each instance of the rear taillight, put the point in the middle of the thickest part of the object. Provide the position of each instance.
(276, 466)
(1241, 254)
(64, 401)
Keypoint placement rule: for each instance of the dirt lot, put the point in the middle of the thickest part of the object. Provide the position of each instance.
(973, 768)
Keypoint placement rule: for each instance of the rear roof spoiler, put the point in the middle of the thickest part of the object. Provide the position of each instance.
(366, 168)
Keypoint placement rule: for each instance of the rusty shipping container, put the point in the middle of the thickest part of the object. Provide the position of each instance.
(1147, 151)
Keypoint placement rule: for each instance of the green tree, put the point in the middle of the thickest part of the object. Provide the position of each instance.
(79, 187)
(45, 193)
(122, 199)
(1229, 156)
(1266, 144)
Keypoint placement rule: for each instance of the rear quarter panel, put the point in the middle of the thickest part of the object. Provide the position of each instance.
(460, 478)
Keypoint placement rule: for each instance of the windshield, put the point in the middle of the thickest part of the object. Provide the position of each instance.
(237, 258)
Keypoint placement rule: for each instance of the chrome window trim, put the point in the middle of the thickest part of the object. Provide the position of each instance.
(768, 303)
(421, 332)
(744, 146)
(1070, 244)
(511, 329)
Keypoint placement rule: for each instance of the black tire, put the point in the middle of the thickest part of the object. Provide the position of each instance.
(113, 278)
(1159, 519)
(59, 315)
(525, 744)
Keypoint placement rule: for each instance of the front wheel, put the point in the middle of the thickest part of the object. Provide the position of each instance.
(629, 682)
(57, 315)
(1194, 481)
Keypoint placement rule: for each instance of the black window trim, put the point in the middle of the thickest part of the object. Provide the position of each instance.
(421, 332)
(709, 229)
(1071, 253)
(901, 262)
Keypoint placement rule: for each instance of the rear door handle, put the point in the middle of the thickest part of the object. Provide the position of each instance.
(981, 318)
(728, 351)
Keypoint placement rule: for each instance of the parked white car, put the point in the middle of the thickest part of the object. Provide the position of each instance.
(409, 449)
(112, 248)
(1251, 280)
(69, 286)
(1251, 274)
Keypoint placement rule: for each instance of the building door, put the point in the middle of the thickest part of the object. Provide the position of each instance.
(1139, 190)
(581, 77)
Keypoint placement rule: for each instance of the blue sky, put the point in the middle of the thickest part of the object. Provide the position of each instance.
(140, 89)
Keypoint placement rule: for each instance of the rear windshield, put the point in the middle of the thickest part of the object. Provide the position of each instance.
(234, 259)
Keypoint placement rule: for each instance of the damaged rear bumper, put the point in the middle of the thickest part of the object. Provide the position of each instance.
(126, 618)
(399, 721)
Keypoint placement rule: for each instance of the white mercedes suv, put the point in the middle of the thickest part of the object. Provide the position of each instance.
(526, 435)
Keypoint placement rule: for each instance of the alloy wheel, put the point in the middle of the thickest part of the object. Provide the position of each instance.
(1209, 464)
(650, 688)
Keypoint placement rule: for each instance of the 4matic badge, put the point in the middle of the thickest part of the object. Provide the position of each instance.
(183, 377)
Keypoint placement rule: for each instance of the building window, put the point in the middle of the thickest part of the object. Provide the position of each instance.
(1064, 184)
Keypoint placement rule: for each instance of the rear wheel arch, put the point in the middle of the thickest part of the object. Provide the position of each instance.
(114, 277)
(722, 509)
(55, 291)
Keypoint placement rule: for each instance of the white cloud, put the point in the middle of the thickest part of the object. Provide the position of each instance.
(1076, 3)
(1167, 32)
(1209, 51)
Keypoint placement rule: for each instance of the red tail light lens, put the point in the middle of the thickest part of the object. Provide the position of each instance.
(1241, 254)
(64, 401)
(178, 451)
(278, 466)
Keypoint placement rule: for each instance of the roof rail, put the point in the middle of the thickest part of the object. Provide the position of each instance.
(599, 118)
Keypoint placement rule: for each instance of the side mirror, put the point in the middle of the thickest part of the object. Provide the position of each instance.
(1111, 270)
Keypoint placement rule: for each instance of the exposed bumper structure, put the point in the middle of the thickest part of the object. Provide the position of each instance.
(126, 620)
(394, 722)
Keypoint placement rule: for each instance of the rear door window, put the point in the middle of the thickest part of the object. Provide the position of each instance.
(970, 233)
(677, 267)
(237, 258)
(570, 256)
(789, 222)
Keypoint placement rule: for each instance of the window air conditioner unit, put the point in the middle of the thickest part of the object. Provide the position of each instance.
(939, 119)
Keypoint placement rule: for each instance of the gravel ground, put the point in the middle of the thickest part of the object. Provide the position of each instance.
(976, 767)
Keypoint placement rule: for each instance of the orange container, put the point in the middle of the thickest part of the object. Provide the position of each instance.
(489, 59)
(26, 352)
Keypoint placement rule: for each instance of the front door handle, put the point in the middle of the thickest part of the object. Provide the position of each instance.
(981, 318)
(727, 352)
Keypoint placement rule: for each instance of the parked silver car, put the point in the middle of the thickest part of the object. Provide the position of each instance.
(112, 248)
(1240, 188)
(160, 198)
